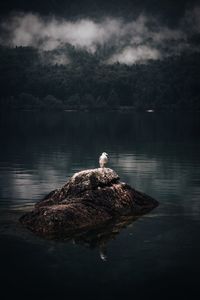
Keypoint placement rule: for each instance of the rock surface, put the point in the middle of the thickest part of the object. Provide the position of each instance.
(89, 199)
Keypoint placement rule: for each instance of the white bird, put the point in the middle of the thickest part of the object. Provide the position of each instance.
(103, 159)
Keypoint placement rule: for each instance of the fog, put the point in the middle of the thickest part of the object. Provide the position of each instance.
(139, 40)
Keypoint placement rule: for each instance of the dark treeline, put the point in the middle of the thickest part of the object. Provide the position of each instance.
(30, 80)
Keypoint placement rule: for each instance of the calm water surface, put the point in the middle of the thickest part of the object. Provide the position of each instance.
(157, 256)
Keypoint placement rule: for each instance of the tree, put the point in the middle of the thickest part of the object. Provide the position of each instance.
(89, 100)
(73, 100)
(51, 102)
(28, 101)
(113, 99)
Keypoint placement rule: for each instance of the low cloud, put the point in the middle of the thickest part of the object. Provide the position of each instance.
(33, 30)
(142, 39)
(131, 55)
(53, 58)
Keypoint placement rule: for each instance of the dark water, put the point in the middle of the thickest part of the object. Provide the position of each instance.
(157, 256)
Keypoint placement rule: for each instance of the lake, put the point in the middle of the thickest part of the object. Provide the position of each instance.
(157, 256)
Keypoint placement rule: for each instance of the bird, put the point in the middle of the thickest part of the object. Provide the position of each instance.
(103, 159)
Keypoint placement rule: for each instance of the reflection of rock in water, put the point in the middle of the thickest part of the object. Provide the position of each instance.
(97, 237)
(100, 237)
(89, 200)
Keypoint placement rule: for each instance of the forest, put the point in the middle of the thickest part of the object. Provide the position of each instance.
(31, 79)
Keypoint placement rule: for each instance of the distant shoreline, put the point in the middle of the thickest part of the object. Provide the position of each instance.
(106, 109)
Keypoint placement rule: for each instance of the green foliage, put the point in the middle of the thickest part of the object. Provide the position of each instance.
(28, 81)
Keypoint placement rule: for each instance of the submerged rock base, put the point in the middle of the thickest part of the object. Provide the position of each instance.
(89, 199)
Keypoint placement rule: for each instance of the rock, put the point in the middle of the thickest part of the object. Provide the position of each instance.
(89, 199)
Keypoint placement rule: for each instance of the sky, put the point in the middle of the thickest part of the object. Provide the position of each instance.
(171, 9)
(137, 30)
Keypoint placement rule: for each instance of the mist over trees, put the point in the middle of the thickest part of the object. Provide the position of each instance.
(30, 79)
(107, 55)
